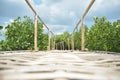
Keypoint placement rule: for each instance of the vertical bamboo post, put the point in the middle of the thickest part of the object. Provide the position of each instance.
(48, 39)
(68, 44)
(73, 42)
(35, 33)
(54, 42)
(83, 37)
(83, 28)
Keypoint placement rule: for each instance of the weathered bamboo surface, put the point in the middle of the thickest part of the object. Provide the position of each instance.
(59, 65)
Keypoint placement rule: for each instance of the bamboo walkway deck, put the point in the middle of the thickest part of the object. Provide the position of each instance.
(59, 65)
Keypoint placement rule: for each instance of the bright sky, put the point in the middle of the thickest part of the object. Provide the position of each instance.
(59, 15)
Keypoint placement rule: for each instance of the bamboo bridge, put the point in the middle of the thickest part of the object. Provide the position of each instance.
(49, 31)
(59, 64)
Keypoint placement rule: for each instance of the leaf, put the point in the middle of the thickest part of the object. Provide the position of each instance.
(1, 27)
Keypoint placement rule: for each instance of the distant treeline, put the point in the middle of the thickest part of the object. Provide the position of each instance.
(103, 35)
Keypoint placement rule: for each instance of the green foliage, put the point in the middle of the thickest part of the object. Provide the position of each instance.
(1, 27)
(20, 35)
(104, 36)
(63, 37)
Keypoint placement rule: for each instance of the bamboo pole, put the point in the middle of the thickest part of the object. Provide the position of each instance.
(73, 42)
(68, 44)
(54, 42)
(61, 46)
(83, 37)
(81, 20)
(88, 8)
(34, 11)
(83, 29)
(42, 22)
(35, 34)
(48, 39)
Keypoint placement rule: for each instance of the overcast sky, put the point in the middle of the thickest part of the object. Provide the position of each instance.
(59, 15)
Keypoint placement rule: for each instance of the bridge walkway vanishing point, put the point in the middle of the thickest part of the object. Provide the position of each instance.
(59, 65)
(37, 17)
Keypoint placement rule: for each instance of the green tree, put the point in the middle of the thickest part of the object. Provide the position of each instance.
(104, 35)
(66, 35)
(115, 38)
(1, 27)
(77, 40)
(98, 34)
(20, 35)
